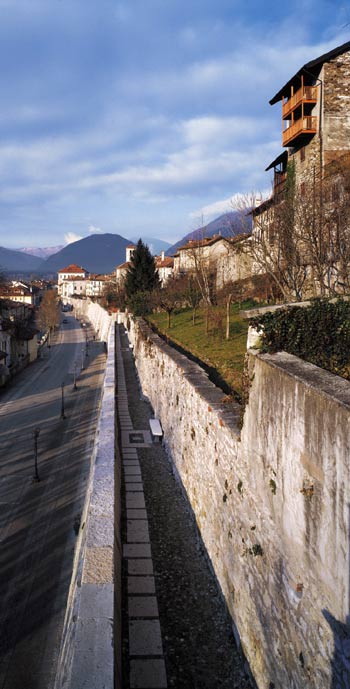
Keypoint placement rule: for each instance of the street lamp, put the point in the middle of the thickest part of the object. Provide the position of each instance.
(75, 376)
(63, 416)
(36, 478)
(86, 344)
(82, 359)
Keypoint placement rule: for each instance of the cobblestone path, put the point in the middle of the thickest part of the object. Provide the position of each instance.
(176, 630)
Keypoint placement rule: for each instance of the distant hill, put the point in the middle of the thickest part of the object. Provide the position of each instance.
(228, 225)
(42, 253)
(98, 253)
(11, 260)
(156, 246)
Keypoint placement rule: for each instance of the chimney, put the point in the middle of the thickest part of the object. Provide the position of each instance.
(162, 255)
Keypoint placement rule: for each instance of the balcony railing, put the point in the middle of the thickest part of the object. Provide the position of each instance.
(305, 125)
(306, 94)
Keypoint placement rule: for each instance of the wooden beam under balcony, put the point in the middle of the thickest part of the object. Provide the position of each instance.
(306, 94)
(304, 126)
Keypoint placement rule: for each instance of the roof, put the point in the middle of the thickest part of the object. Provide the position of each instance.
(312, 67)
(167, 262)
(282, 158)
(73, 268)
(262, 208)
(131, 246)
(197, 243)
(123, 265)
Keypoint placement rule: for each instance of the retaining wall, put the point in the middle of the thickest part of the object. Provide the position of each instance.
(95, 314)
(271, 502)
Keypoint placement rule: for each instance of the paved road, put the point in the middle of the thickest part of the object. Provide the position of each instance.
(39, 520)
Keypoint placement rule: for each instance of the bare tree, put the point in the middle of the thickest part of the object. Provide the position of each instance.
(191, 294)
(169, 297)
(48, 316)
(273, 246)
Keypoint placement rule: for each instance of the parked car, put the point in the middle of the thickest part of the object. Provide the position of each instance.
(65, 320)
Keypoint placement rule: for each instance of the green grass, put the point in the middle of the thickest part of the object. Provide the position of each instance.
(225, 356)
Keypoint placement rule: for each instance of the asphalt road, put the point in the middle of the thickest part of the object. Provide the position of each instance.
(39, 520)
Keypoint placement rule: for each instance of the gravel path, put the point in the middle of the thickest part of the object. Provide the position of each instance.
(199, 647)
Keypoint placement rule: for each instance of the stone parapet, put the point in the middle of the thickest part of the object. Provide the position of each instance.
(91, 643)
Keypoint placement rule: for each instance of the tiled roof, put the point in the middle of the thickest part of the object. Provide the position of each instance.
(123, 265)
(197, 243)
(167, 262)
(73, 268)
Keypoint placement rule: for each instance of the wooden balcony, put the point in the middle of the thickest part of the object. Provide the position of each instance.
(304, 95)
(304, 126)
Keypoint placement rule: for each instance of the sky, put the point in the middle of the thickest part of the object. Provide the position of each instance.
(144, 117)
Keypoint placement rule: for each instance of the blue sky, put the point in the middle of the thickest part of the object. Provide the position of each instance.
(141, 117)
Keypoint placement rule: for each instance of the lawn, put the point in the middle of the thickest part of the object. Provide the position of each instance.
(225, 356)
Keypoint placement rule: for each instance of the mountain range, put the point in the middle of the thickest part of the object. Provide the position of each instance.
(227, 225)
(101, 253)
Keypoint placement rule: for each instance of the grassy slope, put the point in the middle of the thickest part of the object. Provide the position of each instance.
(226, 356)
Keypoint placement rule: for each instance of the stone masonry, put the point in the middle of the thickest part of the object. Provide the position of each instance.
(271, 502)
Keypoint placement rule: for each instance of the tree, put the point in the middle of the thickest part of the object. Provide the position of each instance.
(142, 275)
(323, 226)
(48, 316)
(192, 294)
(274, 247)
(169, 297)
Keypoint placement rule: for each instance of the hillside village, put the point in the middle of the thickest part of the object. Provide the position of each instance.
(264, 473)
(299, 241)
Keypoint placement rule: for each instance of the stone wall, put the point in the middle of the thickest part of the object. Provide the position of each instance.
(90, 654)
(271, 503)
(95, 314)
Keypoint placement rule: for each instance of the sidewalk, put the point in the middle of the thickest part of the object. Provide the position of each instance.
(176, 630)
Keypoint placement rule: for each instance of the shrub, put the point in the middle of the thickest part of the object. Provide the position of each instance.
(319, 333)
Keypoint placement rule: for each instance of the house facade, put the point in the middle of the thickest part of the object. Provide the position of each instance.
(316, 136)
(165, 267)
(122, 269)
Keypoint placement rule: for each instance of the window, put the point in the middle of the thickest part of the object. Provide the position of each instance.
(302, 154)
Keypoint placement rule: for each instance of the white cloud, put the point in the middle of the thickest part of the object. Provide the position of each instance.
(95, 230)
(71, 237)
(235, 202)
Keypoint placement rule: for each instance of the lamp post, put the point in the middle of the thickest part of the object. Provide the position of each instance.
(75, 376)
(86, 345)
(36, 478)
(63, 416)
(82, 359)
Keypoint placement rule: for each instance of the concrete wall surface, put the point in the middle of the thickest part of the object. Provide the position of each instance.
(90, 651)
(271, 502)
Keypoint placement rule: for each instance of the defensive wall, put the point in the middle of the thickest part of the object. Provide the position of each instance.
(271, 501)
(91, 641)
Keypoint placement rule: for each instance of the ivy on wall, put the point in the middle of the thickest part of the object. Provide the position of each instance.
(319, 333)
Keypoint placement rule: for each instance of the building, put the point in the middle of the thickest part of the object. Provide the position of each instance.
(316, 135)
(165, 267)
(18, 292)
(122, 269)
(197, 253)
(315, 116)
(67, 275)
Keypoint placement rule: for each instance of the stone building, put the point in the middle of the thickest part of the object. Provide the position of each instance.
(315, 115)
(316, 135)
